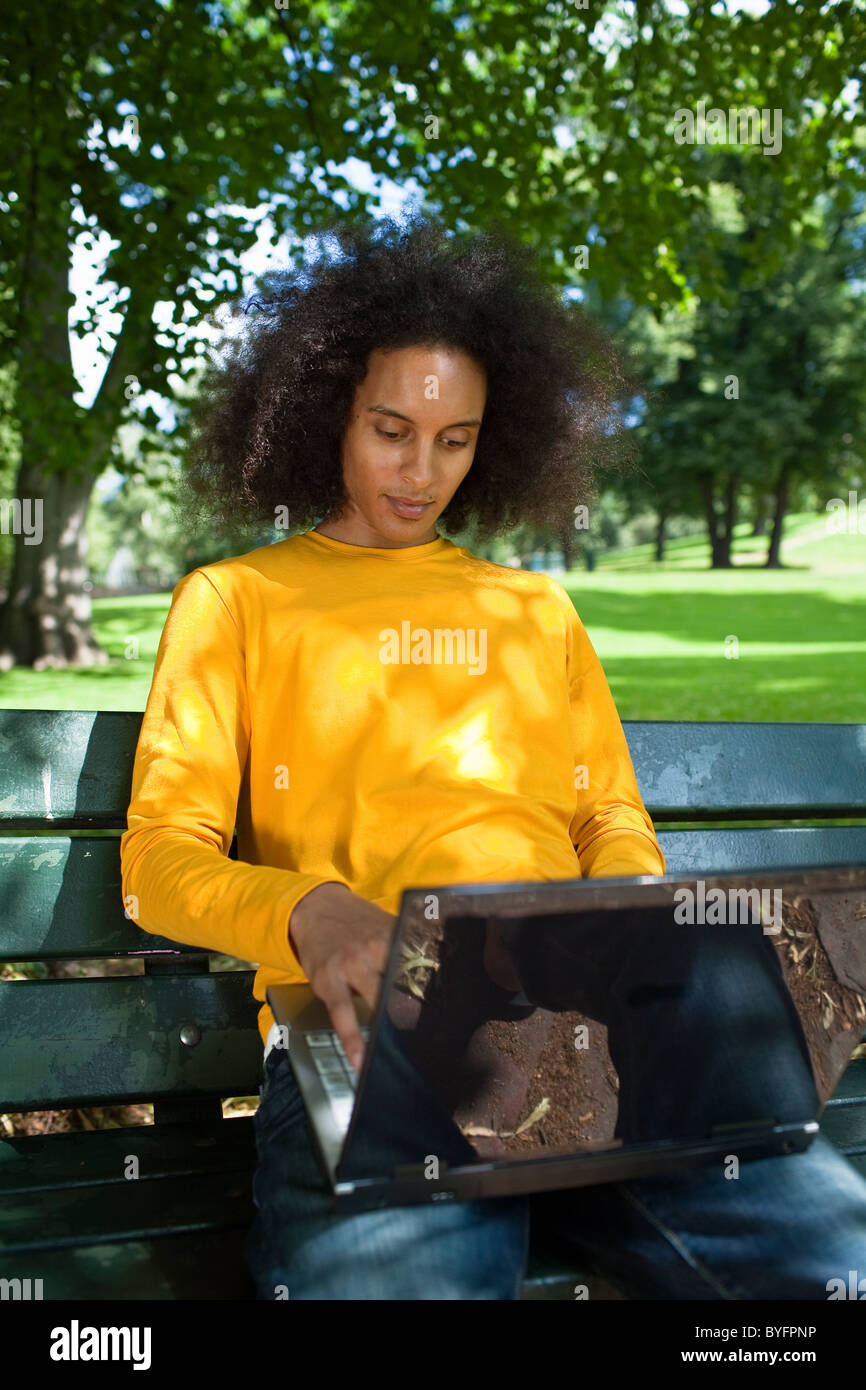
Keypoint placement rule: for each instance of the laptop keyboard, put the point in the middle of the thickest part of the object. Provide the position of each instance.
(336, 1073)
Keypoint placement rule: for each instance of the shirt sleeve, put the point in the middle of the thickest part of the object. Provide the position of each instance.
(176, 877)
(611, 829)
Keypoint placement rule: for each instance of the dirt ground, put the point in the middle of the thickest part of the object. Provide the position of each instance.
(823, 953)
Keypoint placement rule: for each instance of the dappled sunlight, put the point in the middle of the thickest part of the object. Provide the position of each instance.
(470, 749)
(194, 715)
(789, 683)
(524, 679)
(356, 670)
(499, 603)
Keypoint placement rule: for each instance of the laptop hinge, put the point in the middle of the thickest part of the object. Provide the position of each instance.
(768, 1122)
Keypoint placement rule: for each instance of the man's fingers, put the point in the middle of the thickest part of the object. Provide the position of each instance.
(366, 980)
(361, 970)
(338, 1001)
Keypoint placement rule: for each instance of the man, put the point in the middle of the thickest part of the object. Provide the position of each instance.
(379, 708)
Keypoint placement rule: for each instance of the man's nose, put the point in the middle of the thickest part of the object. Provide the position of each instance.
(418, 465)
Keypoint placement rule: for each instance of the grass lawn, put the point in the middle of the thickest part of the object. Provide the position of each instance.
(661, 631)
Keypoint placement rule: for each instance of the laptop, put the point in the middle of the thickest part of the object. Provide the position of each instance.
(543, 1035)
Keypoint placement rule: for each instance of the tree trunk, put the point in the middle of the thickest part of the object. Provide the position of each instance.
(759, 526)
(719, 551)
(774, 550)
(730, 520)
(45, 621)
(660, 537)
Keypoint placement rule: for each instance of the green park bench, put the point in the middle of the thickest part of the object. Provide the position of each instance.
(185, 1039)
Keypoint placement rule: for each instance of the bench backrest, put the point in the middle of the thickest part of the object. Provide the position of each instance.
(182, 1037)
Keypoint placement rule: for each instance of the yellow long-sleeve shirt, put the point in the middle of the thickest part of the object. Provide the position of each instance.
(383, 718)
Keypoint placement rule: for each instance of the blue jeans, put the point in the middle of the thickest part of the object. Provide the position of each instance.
(706, 1008)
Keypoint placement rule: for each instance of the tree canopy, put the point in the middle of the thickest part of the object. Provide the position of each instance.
(174, 128)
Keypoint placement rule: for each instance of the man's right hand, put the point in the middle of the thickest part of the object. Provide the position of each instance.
(342, 943)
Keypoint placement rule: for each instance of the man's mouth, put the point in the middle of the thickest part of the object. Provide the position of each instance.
(411, 510)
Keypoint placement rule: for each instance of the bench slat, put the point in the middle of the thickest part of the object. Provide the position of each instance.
(60, 897)
(749, 771)
(690, 851)
(137, 1210)
(35, 1163)
(845, 1126)
(74, 768)
(66, 767)
(83, 1042)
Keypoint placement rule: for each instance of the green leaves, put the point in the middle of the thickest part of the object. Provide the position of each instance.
(212, 116)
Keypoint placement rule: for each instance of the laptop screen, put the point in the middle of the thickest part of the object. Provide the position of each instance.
(509, 1034)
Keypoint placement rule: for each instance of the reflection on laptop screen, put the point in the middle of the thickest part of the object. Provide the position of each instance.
(554, 1033)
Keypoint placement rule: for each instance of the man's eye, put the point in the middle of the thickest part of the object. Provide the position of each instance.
(388, 434)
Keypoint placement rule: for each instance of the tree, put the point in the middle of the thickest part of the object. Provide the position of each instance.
(161, 124)
(770, 382)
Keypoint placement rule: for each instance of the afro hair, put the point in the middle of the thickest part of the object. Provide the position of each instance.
(265, 430)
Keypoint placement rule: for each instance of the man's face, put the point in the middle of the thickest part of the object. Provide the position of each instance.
(411, 437)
